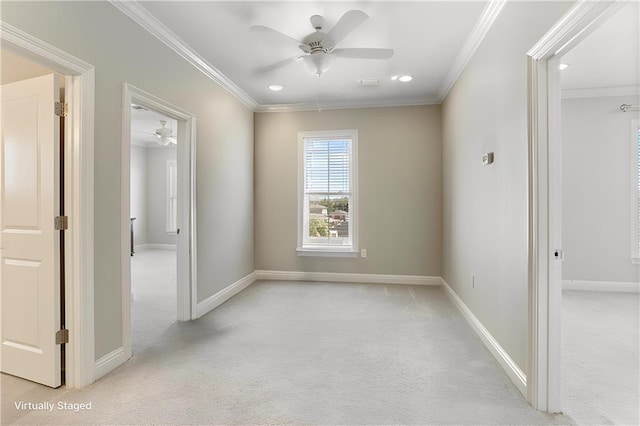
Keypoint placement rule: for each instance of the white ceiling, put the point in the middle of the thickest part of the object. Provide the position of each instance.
(427, 37)
(610, 56)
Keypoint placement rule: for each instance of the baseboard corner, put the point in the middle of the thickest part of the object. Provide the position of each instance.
(223, 295)
(517, 376)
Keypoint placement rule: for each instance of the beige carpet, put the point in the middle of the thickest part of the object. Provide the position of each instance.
(300, 353)
(600, 359)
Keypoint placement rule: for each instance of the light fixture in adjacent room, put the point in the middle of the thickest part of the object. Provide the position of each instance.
(276, 87)
(563, 66)
(405, 78)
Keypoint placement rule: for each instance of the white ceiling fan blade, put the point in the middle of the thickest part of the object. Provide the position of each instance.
(349, 21)
(364, 53)
(278, 65)
(270, 32)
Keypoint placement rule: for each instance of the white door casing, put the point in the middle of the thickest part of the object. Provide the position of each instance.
(30, 295)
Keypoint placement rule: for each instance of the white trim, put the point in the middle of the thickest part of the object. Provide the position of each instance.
(479, 31)
(544, 218)
(314, 106)
(147, 246)
(514, 372)
(606, 286)
(330, 252)
(601, 92)
(151, 24)
(347, 277)
(186, 257)
(225, 294)
(79, 140)
(110, 362)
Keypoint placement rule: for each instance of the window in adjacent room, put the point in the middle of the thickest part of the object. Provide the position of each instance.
(635, 190)
(172, 196)
(327, 220)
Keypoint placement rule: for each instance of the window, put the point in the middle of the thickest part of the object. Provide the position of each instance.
(172, 196)
(635, 191)
(327, 220)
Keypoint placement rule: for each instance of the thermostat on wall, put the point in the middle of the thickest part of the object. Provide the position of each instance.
(487, 158)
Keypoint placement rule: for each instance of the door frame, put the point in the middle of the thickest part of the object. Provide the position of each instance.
(79, 141)
(544, 201)
(186, 241)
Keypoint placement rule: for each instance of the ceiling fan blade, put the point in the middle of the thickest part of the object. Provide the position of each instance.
(278, 64)
(364, 53)
(349, 21)
(270, 32)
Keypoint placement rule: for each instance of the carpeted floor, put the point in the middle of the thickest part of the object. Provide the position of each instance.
(298, 353)
(600, 359)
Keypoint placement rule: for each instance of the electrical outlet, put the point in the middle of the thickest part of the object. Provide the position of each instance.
(363, 253)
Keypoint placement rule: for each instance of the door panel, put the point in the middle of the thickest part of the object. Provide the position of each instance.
(30, 258)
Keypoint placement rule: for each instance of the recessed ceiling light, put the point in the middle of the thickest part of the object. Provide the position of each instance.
(276, 87)
(405, 78)
(563, 66)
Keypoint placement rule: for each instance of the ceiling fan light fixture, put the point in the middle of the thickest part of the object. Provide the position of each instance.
(276, 87)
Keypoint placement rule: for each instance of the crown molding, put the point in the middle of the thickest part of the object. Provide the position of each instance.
(314, 106)
(480, 30)
(146, 20)
(600, 92)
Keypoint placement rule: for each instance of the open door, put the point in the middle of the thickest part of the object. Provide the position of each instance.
(29, 241)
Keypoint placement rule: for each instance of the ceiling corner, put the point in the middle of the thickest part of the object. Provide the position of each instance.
(151, 24)
(480, 30)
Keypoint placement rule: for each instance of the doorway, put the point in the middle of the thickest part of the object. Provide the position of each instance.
(599, 280)
(546, 246)
(154, 198)
(161, 136)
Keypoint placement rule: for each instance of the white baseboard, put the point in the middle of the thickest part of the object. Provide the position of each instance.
(141, 247)
(347, 277)
(514, 372)
(109, 362)
(613, 286)
(223, 295)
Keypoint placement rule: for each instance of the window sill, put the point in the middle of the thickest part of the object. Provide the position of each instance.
(327, 252)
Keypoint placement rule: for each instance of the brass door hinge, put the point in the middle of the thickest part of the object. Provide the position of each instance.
(61, 223)
(61, 109)
(62, 336)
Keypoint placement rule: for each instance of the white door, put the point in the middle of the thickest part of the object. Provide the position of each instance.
(29, 244)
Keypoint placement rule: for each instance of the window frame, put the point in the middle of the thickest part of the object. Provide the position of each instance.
(329, 250)
(635, 192)
(171, 163)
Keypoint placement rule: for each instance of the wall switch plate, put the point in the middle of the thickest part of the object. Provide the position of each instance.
(487, 158)
(363, 253)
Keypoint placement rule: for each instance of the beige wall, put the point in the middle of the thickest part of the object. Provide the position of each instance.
(399, 168)
(121, 51)
(485, 207)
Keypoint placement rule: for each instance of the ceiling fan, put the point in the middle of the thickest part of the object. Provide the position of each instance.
(319, 48)
(164, 135)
